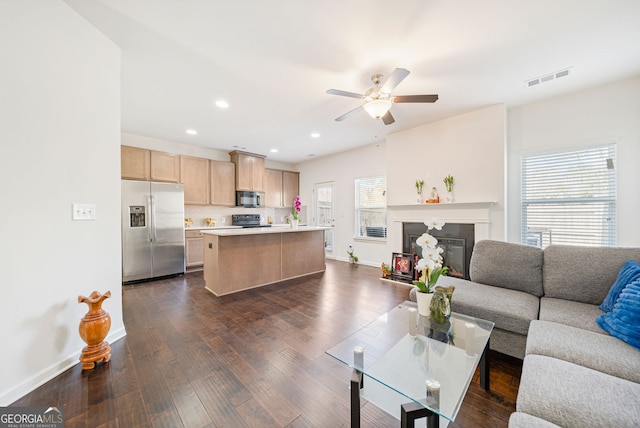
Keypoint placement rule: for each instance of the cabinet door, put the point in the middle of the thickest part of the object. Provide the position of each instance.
(134, 163)
(165, 167)
(194, 174)
(290, 187)
(223, 186)
(273, 188)
(194, 249)
(249, 171)
(258, 174)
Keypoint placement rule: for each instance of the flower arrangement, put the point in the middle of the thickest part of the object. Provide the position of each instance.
(430, 265)
(296, 208)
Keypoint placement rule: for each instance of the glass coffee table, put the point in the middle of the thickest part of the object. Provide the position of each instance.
(421, 366)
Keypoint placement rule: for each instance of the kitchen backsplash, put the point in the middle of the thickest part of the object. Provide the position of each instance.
(222, 215)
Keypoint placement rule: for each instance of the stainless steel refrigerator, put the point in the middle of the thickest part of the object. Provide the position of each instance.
(152, 230)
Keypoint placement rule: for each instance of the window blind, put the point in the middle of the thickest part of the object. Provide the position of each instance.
(570, 197)
(371, 207)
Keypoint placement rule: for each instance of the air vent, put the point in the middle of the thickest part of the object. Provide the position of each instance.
(547, 77)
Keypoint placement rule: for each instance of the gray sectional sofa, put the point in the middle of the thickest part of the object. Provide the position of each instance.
(544, 304)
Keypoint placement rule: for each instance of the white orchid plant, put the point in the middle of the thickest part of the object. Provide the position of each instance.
(430, 265)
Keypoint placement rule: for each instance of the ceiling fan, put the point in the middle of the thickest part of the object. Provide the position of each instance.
(378, 99)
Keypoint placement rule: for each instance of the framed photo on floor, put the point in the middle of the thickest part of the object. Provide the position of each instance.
(402, 266)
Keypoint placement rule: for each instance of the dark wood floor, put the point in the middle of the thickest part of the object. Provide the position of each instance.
(253, 359)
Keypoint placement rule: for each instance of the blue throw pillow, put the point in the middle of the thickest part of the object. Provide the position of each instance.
(629, 272)
(623, 321)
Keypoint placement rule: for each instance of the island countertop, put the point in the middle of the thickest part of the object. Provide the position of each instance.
(240, 259)
(260, 230)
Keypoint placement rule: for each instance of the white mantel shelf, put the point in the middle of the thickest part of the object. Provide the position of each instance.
(451, 205)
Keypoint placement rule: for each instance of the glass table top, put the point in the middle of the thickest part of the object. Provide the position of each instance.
(429, 363)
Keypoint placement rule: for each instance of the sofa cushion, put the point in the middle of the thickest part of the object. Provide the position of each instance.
(623, 321)
(507, 265)
(575, 314)
(570, 395)
(596, 351)
(583, 274)
(510, 310)
(629, 272)
(523, 420)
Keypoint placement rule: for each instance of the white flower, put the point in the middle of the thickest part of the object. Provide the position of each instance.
(425, 263)
(434, 223)
(427, 241)
(434, 255)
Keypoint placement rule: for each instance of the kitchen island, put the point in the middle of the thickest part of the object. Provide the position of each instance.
(239, 259)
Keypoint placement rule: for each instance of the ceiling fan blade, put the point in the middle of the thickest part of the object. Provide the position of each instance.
(394, 79)
(388, 118)
(415, 98)
(344, 93)
(347, 114)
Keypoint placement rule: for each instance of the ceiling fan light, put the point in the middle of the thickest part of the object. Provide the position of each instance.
(377, 108)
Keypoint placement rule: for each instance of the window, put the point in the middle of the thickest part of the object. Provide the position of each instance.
(570, 198)
(371, 207)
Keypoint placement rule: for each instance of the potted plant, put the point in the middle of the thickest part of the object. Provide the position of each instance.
(352, 257)
(419, 185)
(294, 218)
(448, 184)
(430, 266)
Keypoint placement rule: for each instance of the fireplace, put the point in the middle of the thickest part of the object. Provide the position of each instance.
(456, 239)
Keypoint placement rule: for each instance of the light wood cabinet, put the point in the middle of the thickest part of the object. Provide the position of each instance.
(223, 185)
(194, 249)
(249, 171)
(194, 174)
(135, 163)
(290, 187)
(165, 167)
(273, 188)
(280, 187)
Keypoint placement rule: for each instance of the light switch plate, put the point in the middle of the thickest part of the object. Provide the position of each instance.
(84, 211)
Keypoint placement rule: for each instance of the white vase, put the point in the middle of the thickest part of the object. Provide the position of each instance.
(424, 302)
(294, 224)
(449, 197)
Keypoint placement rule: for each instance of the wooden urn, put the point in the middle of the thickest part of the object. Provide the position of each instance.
(93, 328)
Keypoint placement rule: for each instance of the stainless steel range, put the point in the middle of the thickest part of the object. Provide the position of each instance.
(247, 220)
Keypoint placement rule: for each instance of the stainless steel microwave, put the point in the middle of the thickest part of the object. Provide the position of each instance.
(249, 199)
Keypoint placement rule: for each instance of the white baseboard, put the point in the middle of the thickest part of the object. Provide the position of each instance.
(45, 375)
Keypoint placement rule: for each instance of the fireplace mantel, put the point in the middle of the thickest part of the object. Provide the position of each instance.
(451, 205)
(477, 213)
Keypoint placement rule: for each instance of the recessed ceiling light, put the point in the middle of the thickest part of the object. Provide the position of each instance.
(192, 132)
(274, 150)
(222, 104)
(315, 135)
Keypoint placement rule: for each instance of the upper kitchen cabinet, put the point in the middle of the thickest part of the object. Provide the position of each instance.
(165, 167)
(249, 171)
(135, 163)
(290, 187)
(273, 188)
(194, 174)
(223, 185)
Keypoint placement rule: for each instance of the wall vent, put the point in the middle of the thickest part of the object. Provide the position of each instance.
(547, 77)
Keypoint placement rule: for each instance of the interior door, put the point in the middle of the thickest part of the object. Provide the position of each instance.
(323, 213)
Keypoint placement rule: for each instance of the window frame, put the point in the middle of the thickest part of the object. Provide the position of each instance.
(360, 230)
(581, 208)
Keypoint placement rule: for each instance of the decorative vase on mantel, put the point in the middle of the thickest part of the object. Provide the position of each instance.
(94, 327)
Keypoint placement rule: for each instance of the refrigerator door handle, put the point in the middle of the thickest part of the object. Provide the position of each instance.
(149, 219)
(153, 218)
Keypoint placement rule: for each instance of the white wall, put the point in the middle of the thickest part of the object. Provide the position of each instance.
(471, 147)
(60, 130)
(607, 114)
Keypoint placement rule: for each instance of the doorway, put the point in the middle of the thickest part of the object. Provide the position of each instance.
(323, 211)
